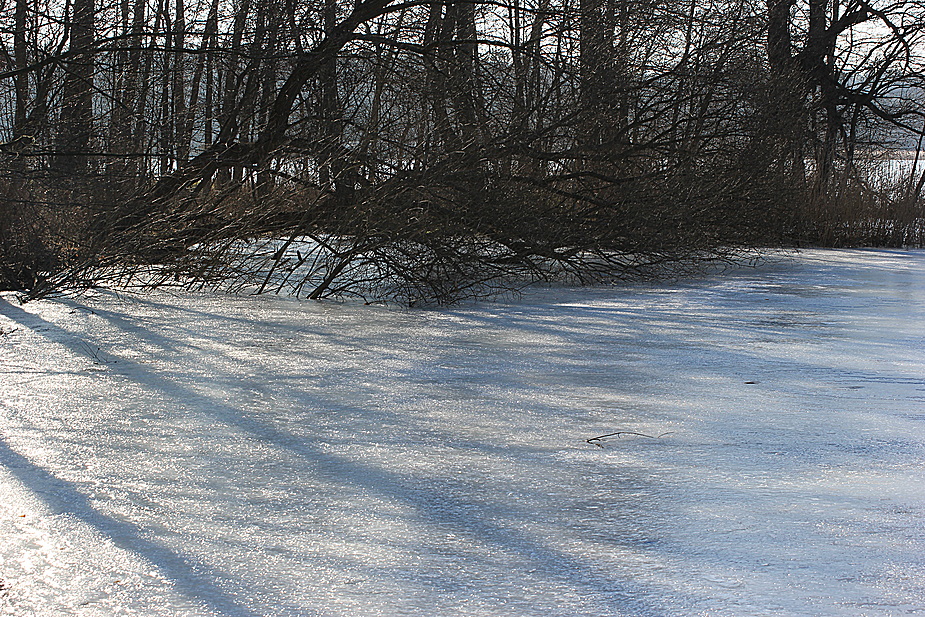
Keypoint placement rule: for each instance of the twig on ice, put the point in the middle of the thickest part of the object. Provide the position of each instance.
(598, 441)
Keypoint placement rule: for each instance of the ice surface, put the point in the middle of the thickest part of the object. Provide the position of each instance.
(200, 455)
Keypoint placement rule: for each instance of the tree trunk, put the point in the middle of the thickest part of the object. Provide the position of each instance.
(467, 89)
(437, 57)
(178, 87)
(20, 62)
(596, 95)
(76, 121)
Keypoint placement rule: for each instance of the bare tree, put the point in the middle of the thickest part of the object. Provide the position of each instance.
(75, 126)
(436, 149)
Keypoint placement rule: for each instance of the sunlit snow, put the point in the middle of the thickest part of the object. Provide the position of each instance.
(199, 455)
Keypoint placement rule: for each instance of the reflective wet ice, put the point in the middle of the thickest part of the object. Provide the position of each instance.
(204, 455)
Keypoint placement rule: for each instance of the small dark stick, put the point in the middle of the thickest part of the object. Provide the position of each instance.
(597, 440)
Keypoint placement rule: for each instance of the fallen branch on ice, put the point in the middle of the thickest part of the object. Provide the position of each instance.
(598, 441)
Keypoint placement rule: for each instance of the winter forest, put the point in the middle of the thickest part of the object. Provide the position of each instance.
(663, 411)
(431, 150)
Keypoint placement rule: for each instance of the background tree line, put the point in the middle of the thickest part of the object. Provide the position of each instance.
(428, 149)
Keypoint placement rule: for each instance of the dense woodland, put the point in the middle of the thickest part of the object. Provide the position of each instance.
(428, 150)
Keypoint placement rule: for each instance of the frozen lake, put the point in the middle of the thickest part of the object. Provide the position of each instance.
(184, 455)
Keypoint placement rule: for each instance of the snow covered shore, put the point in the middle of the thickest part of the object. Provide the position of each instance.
(190, 455)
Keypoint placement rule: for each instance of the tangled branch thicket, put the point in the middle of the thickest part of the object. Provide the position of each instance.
(427, 152)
